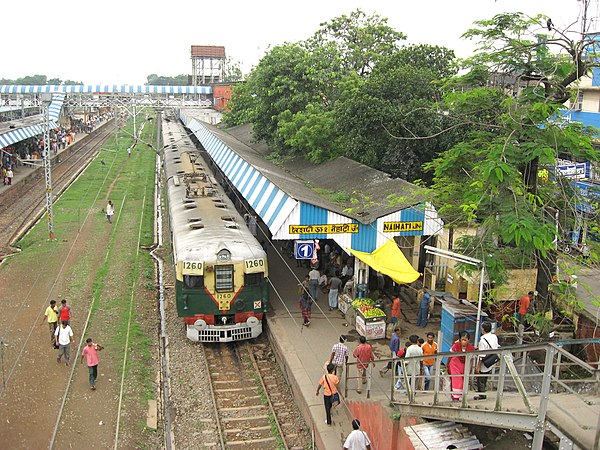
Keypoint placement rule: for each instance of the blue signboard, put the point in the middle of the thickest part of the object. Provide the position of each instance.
(304, 249)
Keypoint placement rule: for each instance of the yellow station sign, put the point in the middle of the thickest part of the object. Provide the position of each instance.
(392, 227)
(329, 228)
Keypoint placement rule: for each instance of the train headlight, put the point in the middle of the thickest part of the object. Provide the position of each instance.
(252, 321)
(200, 324)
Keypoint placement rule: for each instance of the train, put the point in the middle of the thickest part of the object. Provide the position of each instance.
(221, 270)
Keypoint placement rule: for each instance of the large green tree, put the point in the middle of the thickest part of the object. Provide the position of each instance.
(491, 179)
(395, 104)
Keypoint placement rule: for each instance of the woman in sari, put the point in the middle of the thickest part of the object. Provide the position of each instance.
(456, 364)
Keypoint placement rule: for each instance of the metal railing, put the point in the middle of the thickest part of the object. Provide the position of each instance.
(531, 388)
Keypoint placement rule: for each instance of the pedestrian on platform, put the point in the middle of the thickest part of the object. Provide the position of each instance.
(51, 317)
(429, 348)
(339, 356)
(9, 176)
(349, 287)
(305, 301)
(396, 309)
(65, 314)
(365, 356)
(423, 309)
(456, 364)
(413, 367)
(64, 336)
(334, 288)
(394, 348)
(401, 354)
(313, 280)
(110, 211)
(323, 283)
(90, 352)
(524, 304)
(357, 439)
(329, 381)
(488, 341)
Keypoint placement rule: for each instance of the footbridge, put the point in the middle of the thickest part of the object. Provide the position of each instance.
(537, 388)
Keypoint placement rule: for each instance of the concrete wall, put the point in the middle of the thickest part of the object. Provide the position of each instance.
(375, 420)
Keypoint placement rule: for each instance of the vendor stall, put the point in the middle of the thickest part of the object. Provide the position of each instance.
(370, 319)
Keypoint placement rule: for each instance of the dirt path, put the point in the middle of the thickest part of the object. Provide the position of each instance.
(76, 266)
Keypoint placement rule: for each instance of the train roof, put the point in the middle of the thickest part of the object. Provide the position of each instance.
(203, 219)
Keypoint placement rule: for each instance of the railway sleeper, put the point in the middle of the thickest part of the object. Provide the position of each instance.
(252, 444)
(240, 430)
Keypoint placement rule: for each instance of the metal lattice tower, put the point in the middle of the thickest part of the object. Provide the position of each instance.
(47, 173)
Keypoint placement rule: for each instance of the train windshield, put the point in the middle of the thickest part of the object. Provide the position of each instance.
(224, 278)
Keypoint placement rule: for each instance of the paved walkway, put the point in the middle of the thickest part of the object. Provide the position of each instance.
(306, 349)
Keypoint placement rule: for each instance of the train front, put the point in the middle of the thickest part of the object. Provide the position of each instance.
(223, 299)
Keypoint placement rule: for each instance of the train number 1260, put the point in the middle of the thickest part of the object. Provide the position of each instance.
(192, 267)
(255, 265)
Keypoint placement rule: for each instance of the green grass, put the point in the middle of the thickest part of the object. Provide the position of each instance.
(127, 179)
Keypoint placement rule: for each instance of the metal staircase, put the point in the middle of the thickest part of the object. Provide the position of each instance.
(533, 388)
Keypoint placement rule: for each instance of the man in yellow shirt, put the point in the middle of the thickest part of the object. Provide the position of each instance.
(51, 316)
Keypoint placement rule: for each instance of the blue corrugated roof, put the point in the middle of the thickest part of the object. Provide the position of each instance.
(103, 89)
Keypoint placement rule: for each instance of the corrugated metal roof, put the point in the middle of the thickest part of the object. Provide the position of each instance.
(103, 89)
(210, 51)
(439, 435)
(301, 177)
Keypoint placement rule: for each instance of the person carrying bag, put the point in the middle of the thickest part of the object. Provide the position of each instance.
(329, 381)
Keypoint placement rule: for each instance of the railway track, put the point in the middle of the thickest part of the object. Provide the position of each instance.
(252, 410)
(25, 202)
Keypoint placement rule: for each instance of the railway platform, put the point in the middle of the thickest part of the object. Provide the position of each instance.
(29, 168)
(304, 351)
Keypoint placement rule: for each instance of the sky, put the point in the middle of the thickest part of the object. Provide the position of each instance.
(122, 42)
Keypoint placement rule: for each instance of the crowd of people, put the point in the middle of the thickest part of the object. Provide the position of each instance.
(31, 149)
(59, 320)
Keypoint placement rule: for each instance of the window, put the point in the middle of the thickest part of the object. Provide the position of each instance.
(224, 278)
(193, 281)
(253, 278)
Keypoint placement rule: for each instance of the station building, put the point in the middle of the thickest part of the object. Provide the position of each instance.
(359, 208)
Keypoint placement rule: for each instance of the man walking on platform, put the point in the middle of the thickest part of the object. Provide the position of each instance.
(429, 348)
(488, 341)
(313, 279)
(394, 349)
(305, 301)
(423, 309)
(365, 356)
(339, 356)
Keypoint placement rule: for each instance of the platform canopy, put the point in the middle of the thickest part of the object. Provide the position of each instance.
(389, 260)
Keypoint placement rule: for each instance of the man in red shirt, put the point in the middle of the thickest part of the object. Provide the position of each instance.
(364, 354)
(395, 310)
(524, 305)
(64, 312)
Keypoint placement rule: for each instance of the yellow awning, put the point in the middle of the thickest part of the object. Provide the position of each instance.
(389, 260)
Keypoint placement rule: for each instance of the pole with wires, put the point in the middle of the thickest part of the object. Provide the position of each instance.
(47, 173)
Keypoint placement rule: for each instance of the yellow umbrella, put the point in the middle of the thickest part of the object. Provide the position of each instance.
(389, 260)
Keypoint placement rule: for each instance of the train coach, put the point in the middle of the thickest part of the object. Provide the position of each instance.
(221, 269)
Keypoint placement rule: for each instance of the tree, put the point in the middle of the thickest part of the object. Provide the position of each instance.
(360, 40)
(393, 106)
(508, 137)
(156, 80)
(233, 72)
